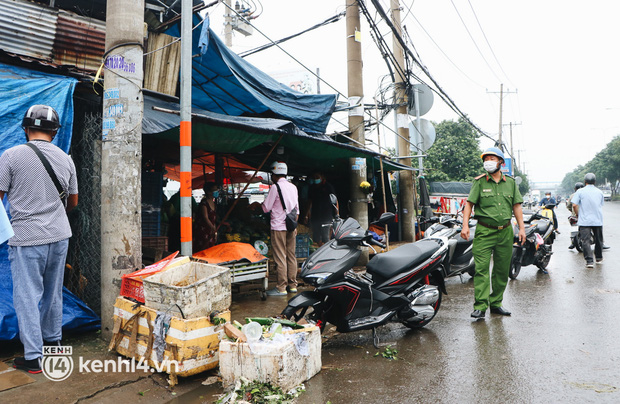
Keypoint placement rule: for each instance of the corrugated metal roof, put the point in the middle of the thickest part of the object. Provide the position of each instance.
(59, 37)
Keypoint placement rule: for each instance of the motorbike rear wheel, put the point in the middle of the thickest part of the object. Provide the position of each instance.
(515, 265)
(308, 313)
(422, 323)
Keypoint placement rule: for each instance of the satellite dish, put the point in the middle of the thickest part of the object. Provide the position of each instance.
(425, 99)
(518, 180)
(425, 137)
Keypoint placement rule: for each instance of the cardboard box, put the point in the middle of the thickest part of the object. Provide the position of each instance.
(193, 343)
(278, 363)
(191, 290)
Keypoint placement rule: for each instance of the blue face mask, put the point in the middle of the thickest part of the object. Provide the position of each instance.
(216, 194)
(316, 181)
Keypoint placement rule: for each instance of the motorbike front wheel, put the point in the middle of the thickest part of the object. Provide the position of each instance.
(515, 265)
(422, 323)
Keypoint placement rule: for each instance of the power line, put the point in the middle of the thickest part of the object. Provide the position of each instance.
(474, 41)
(439, 91)
(487, 40)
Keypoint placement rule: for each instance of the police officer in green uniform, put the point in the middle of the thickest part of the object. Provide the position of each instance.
(494, 197)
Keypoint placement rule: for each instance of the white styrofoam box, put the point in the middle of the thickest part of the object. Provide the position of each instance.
(191, 290)
(277, 362)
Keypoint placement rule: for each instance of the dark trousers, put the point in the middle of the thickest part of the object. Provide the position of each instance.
(585, 233)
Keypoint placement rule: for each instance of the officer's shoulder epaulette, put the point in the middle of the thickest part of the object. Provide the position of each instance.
(480, 176)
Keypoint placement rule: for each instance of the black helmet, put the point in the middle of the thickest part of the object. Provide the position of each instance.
(590, 178)
(578, 185)
(42, 117)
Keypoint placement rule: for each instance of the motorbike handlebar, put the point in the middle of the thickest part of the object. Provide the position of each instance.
(377, 243)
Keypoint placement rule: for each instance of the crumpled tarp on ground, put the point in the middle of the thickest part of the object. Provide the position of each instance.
(230, 252)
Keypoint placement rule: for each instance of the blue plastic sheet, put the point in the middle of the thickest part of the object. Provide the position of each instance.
(225, 83)
(21, 88)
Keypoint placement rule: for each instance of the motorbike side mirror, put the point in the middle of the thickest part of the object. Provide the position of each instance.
(334, 201)
(387, 217)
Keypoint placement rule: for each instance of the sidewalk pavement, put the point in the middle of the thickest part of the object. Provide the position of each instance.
(135, 387)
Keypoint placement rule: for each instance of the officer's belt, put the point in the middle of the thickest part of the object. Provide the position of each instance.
(483, 224)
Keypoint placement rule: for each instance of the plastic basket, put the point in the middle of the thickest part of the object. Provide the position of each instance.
(158, 243)
(151, 224)
(302, 246)
(132, 285)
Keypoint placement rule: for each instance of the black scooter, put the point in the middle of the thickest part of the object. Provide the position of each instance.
(460, 255)
(537, 249)
(403, 285)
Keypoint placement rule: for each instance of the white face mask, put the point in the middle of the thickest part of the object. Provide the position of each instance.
(491, 166)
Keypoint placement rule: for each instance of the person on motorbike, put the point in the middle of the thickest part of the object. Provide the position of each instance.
(569, 206)
(549, 200)
(494, 198)
(588, 204)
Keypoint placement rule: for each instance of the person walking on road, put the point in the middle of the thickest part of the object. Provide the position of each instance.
(40, 195)
(588, 205)
(282, 241)
(494, 197)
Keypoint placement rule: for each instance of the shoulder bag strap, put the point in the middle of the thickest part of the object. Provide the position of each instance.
(61, 193)
(281, 199)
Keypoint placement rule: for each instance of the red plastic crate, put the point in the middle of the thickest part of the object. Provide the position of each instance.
(131, 284)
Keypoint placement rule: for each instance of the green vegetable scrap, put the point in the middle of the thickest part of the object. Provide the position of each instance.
(262, 393)
(389, 353)
(270, 320)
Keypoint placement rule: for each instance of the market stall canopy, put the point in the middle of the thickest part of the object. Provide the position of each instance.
(249, 139)
(225, 83)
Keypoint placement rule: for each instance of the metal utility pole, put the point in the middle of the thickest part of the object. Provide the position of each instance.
(228, 24)
(405, 177)
(359, 204)
(514, 163)
(185, 140)
(121, 151)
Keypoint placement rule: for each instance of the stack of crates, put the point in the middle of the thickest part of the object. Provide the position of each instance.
(302, 246)
(152, 184)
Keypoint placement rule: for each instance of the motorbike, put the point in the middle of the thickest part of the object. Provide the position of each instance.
(574, 234)
(460, 256)
(403, 285)
(537, 249)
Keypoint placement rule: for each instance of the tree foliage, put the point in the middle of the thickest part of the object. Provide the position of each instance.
(455, 155)
(605, 165)
(524, 186)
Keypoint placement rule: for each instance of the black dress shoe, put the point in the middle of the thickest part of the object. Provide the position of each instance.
(500, 310)
(605, 247)
(477, 314)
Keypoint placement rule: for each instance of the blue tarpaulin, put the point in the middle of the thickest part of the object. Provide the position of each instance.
(225, 83)
(21, 88)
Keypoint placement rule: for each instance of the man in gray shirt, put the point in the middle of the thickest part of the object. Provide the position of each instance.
(38, 249)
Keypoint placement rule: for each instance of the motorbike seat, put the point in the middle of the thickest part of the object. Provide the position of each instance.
(391, 263)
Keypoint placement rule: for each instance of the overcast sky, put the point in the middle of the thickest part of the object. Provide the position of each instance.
(558, 62)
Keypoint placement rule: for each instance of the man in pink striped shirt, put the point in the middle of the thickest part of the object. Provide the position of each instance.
(282, 241)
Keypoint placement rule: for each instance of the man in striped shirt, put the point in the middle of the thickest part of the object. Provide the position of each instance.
(39, 247)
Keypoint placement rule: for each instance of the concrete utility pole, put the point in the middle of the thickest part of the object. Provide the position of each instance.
(501, 106)
(405, 177)
(514, 162)
(185, 140)
(359, 204)
(228, 21)
(121, 154)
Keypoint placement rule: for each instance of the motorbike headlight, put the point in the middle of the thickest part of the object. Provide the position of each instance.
(318, 278)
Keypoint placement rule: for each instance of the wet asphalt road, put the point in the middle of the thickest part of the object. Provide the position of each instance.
(561, 345)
